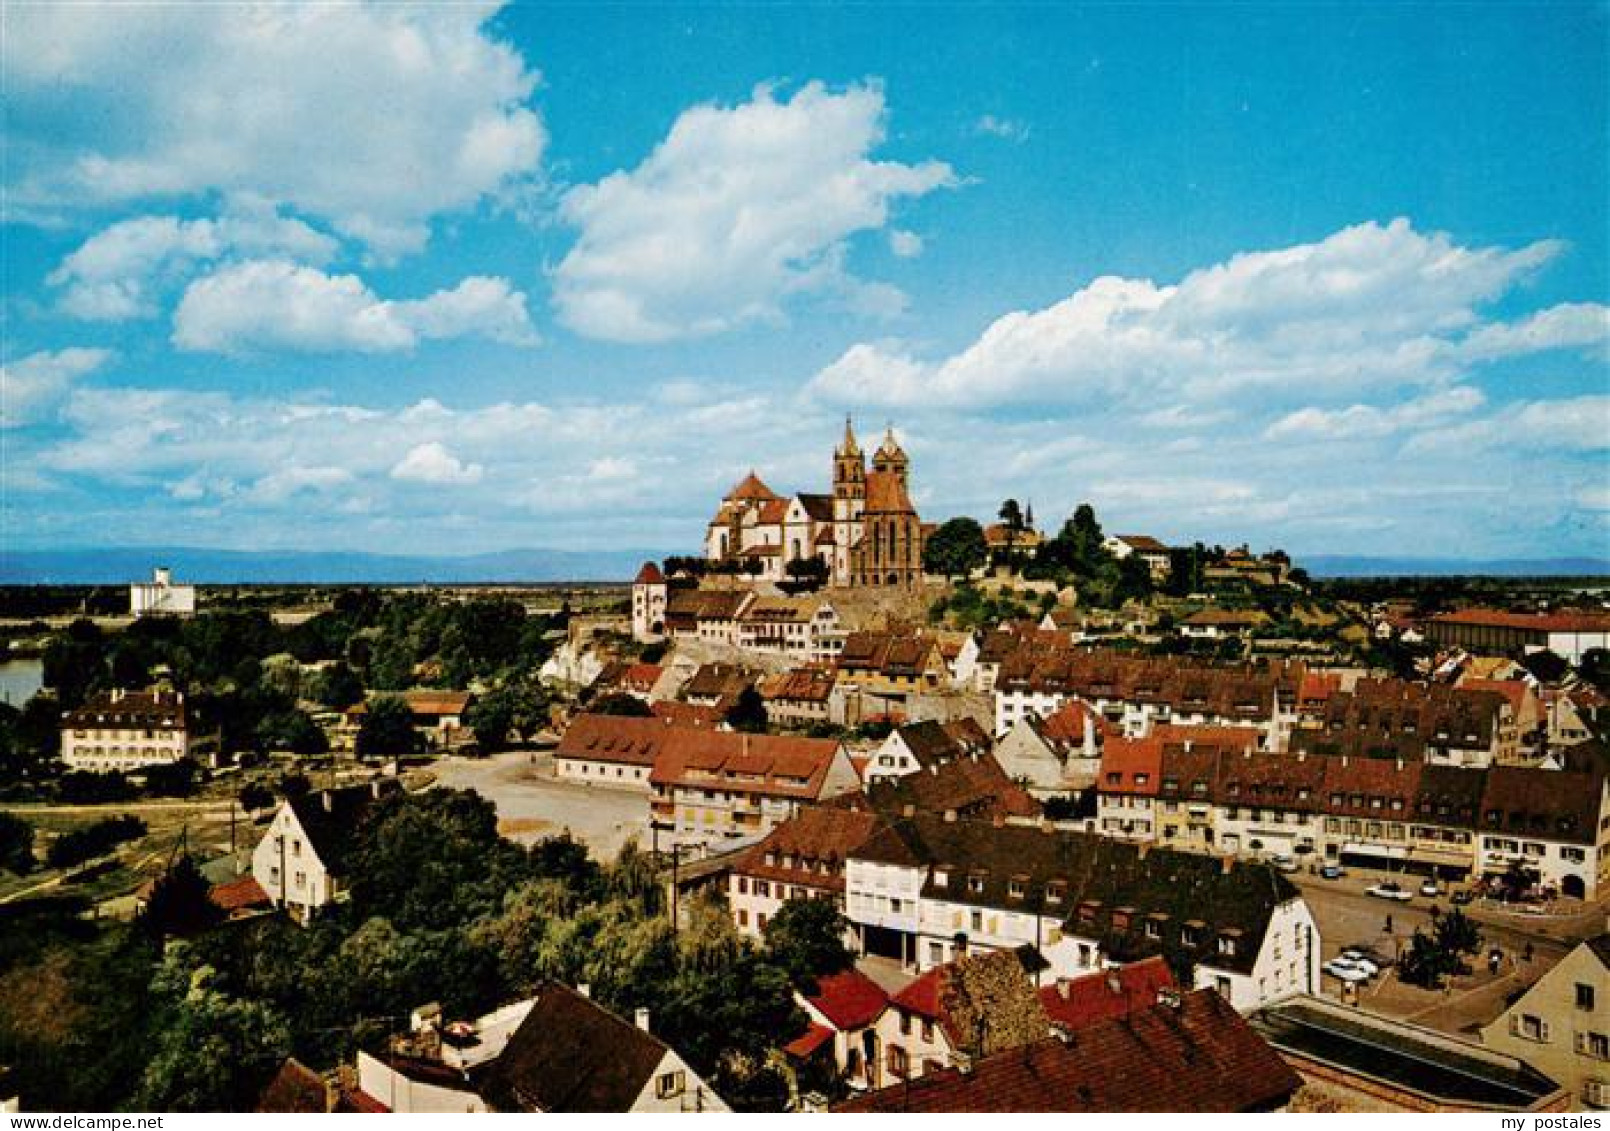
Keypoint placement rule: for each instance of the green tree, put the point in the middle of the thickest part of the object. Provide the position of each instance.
(338, 687)
(806, 939)
(1457, 933)
(956, 549)
(749, 712)
(387, 730)
(491, 717)
(16, 845)
(806, 574)
(619, 703)
(213, 1052)
(255, 795)
(292, 730)
(179, 903)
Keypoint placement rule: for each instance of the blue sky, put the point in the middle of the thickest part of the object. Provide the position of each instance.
(457, 278)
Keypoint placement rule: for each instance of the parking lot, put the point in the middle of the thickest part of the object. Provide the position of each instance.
(1348, 917)
(533, 804)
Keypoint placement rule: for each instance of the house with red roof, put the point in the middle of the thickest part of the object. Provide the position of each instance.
(843, 1009)
(804, 857)
(1074, 1003)
(1127, 788)
(1058, 755)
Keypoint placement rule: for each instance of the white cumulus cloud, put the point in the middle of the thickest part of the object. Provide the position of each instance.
(1370, 306)
(265, 305)
(112, 275)
(375, 117)
(737, 209)
(32, 386)
(433, 463)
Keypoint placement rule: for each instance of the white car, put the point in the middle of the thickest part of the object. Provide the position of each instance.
(1345, 971)
(1359, 962)
(1389, 890)
(1430, 888)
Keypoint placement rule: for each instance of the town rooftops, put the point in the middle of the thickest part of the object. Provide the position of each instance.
(811, 847)
(772, 765)
(571, 1054)
(1076, 1002)
(128, 710)
(1101, 888)
(967, 786)
(890, 653)
(1445, 1070)
(717, 681)
(623, 739)
(801, 685)
(1196, 1056)
(1559, 805)
(934, 743)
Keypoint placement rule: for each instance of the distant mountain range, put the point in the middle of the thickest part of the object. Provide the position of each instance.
(1342, 565)
(291, 567)
(219, 567)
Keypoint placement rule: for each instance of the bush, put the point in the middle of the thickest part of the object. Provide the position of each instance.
(80, 787)
(172, 779)
(94, 840)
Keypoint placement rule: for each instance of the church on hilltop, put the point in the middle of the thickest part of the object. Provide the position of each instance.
(866, 532)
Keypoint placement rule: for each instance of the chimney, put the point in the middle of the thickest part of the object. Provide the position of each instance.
(933, 768)
(1115, 984)
(374, 788)
(642, 1018)
(585, 989)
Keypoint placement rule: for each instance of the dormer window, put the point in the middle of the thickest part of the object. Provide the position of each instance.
(1226, 945)
(975, 883)
(1018, 887)
(771, 859)
(1142, 779)
(1056, 891)
(941, 878)
(1154, 929)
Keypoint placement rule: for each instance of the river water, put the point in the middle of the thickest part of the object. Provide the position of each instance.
(19, 680)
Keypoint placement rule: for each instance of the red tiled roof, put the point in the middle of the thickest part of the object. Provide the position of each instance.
(1096, 997)
(237, 895)
(1131, 766)
(849, 1000)
(625, 739)
(750, 487)
(801, 1048)
(773, 765)
(1200, 1056)
(1537, 622)
(686, 714)
(649, 575)
(1142, 543)
(817, 836)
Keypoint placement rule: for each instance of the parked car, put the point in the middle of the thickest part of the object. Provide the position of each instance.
(1284, 863)
(1389, 890)
(1430, 888)
(1462, 898)
(1345, 971)
(1333, 871)
(1371, 954)
(1361, 961)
